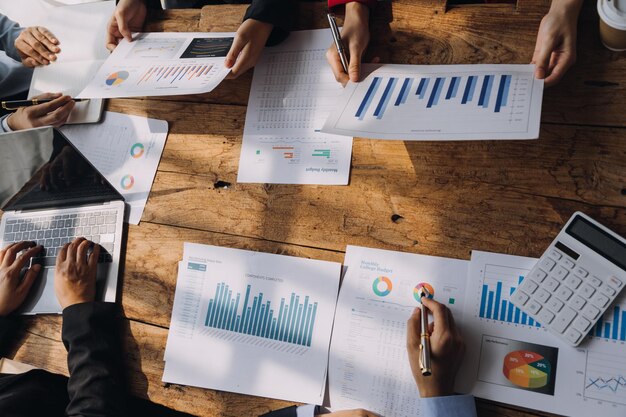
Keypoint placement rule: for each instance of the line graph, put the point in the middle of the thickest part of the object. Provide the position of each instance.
(605, 377)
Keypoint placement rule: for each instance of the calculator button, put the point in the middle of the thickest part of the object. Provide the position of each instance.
(581, 324)
(568, 264)
(555, 254)
(563, 319)
(555, 304)
(560, 273)
(577, 302)
(520, 298)
(595, 281)
(542, 295)
(591, 312)
(551, 284)
(547, 264)
(587, 291)
(564, 293)
(599, 300)
(538, 275)
(573, 281)
(573, 336)
(581, 272)
(608, 290)
(615, 282)
(533, 306)
(545, 317)
(529, 286)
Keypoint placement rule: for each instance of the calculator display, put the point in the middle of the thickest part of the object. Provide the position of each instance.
(598, 240)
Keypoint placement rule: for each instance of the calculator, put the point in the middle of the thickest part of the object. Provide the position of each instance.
(575, 280)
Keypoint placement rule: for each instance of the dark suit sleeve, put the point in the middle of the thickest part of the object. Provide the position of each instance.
(280, 13)
(91, 337)
(7, 330)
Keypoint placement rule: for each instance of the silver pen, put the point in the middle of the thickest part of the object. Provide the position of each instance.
(338, 42)
(425, 339)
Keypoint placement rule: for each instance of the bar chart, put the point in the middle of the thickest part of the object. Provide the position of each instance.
(499, 283)
(612, 325)
(171, 74)
(292, 322)
(456, 102)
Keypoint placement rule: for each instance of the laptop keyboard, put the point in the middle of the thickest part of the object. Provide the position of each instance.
(53, 232)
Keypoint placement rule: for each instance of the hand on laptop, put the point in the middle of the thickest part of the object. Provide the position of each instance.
(37, 46)
(75, 275)
(129, 17)
(447, 350)
(247, 46)
(13, 287)
(54, 113)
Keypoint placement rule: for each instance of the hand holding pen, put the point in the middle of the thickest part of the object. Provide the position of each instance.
(446, 349)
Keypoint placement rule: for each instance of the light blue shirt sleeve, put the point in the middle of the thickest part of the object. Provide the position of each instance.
(306, 411)
(449, 406)
(9, 31)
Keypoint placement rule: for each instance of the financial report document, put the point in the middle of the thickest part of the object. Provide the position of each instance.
(252, 323)
(293, 91)
(368, 366)
(441, 102)
(512, 359)
(162, 64)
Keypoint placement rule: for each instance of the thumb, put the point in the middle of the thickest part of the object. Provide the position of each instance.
(30, 277)
(354, 68)
(124, 29)
(234, 51)
(541, 58)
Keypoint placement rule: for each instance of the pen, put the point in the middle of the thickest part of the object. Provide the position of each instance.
(14, 105)
(338, 42)
(425, 338)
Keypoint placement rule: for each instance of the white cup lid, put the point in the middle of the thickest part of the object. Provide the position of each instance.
(613, 13)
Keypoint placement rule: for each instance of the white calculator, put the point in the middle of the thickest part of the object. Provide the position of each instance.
(575, 280)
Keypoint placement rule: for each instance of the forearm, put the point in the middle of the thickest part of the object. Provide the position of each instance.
(9, 31)
(569, 7)
(279, 13)
(91, 338)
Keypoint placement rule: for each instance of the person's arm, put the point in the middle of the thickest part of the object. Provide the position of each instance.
(447, 350)
(278, 13)
(555, 50)
(90, 335)
(54, 113)
(9, 32)
(129, 16)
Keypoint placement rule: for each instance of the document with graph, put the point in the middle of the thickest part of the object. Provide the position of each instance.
(252, 323)
(162, 64)
(441, 102)
(368, 366)
(292, 94)
(510, 358)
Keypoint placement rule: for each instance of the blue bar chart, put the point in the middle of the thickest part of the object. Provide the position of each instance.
(612, 325)
(498, 285)
(291, 322)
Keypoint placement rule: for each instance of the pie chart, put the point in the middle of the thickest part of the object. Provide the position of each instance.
(417, 291)
(527, 369)
(382, 286)
(117, 78)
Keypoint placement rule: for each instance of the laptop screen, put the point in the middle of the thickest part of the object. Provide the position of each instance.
(39, 168)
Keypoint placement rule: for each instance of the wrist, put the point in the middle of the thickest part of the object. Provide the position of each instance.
(434, 390)
(10, 121)
(357, 10)
(568, 8)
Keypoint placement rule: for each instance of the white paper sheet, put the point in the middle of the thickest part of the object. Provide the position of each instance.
(441, 102)
(551, 376)
(368, 365)
(212, 344)
(80, 30)
(161, 64)
(293, 91)
(126, 150)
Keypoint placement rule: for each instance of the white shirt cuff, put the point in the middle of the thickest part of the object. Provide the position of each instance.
(5, 124)
(306, 411)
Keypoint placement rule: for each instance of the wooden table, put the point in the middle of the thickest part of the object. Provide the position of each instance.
(443, 198)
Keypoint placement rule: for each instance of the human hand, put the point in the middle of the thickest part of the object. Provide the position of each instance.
(54, 113)
(75, 275)
(13, 290)
(129, 17)
(355, 35)
(446, 347)
(555, 50)
(351, 413)
(247, 46)
(37, 46)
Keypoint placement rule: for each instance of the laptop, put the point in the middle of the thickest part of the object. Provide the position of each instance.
(50, 194)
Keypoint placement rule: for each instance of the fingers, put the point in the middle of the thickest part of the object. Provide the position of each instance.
(29, 278)
(113, 35)
(59, 117)
(62, 255)
(47, 39)
(440, 315)
(354, 68)
(93, 258)
(563, 63)
(541, 57)
(238, 44)
(30, 45)
(81, 252)
(41, 110)
(332, 56)
(26, 257)
(122, 26)
(12, 251)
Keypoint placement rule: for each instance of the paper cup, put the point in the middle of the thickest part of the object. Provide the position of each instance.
(613, 24)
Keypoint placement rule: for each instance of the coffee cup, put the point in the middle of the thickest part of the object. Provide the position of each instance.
(613, 24)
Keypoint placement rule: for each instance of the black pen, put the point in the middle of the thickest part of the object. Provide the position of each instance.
(14, 105)
(338, 42)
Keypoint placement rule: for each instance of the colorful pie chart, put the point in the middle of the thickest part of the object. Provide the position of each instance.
(137, 150)
(127, 182)
(527, 369)
(117, 78)
(382, 286)
(418, 290)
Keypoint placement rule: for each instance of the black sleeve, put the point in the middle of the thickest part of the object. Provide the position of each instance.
(280, 13)
(90, 335)
(283, 412)
(7, 330)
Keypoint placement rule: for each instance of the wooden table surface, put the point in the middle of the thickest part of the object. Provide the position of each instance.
(434, 198)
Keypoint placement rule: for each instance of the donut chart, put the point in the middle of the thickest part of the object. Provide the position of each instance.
(382, 286)
(117, 78)
(527, 369)
(418, 289)
(127, 182)
(137, 150)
